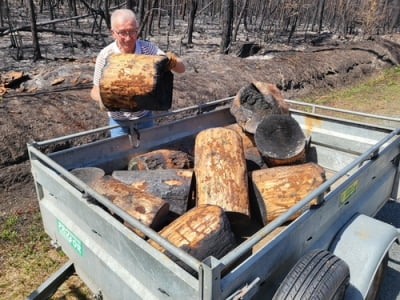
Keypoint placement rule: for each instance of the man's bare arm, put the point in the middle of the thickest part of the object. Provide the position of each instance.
(95, 93)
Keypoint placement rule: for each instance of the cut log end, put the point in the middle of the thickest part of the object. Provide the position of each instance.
(280, 140)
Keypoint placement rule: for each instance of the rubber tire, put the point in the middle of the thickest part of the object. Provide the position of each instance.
(319, 275)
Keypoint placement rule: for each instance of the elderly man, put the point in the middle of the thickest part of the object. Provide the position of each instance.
(124, 29)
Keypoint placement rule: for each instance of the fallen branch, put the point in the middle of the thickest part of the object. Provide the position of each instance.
(28, 27)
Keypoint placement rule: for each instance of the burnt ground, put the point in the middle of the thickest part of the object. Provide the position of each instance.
(53, 99)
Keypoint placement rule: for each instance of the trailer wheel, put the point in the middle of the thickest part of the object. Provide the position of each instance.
(317, 275)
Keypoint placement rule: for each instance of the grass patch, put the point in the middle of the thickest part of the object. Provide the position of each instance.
(377, 95)
(26, 256)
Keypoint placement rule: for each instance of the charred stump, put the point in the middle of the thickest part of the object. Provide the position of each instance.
(256, 101)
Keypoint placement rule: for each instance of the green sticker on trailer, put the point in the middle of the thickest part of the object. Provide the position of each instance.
(74, 242)
(350, 190)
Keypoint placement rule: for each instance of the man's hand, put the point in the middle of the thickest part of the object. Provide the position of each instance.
(172, 60)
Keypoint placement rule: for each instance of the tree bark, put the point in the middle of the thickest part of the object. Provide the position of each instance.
(192, 16)
(172, 185)
(135, 82)
(161, 159)
(152, 211)
(279, 188)
(35, 39)
(220, 170)
(227, 23)
(203, 231)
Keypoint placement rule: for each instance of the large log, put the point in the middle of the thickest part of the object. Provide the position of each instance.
(247, 138)
(279, 188)
(136, 82)
(202, 231)
(161, 159)
(254, 160)
(220, 170)
(172, 185)
(256, 101)
(281, 141)
(147, 208)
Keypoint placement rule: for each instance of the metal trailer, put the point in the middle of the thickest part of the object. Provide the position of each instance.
(362, 161)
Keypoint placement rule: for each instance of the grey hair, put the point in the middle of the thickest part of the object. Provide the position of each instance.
(123, 14)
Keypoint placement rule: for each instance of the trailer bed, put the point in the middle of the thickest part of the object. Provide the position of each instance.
(361, 161)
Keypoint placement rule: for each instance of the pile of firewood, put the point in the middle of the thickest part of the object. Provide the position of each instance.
(240, 178)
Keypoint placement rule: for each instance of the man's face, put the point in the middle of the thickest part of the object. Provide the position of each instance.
(125, 33)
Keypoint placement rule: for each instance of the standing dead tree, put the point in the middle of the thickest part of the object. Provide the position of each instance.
(227, 23)
(35, 40)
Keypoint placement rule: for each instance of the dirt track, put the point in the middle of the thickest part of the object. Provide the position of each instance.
(49, 113)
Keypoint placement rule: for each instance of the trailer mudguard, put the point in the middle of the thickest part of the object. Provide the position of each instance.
(363, 244)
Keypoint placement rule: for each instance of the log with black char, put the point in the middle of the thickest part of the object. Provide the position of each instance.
(161, 159)
(171, 185)
(145, 207)
(256, 101)
(281, 141)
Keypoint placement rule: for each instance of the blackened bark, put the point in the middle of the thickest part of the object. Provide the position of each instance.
(227, 24)
(192, 15)
(35, 40)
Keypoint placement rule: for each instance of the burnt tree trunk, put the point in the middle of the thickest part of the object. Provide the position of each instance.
(35, 39)
(227, 24)
(161, 159)
(152, 211)
(192, 16)
(277, 189)
(220, 170)
(173, 185)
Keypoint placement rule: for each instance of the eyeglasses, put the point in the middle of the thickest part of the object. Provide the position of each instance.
(126, 33)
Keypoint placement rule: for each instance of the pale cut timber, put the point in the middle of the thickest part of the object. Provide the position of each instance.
(279, 188)
(136, 82)
(161, 159)
(147, 208)
(202, 231)
(256, 101)
(220, 170)
(171, 185)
